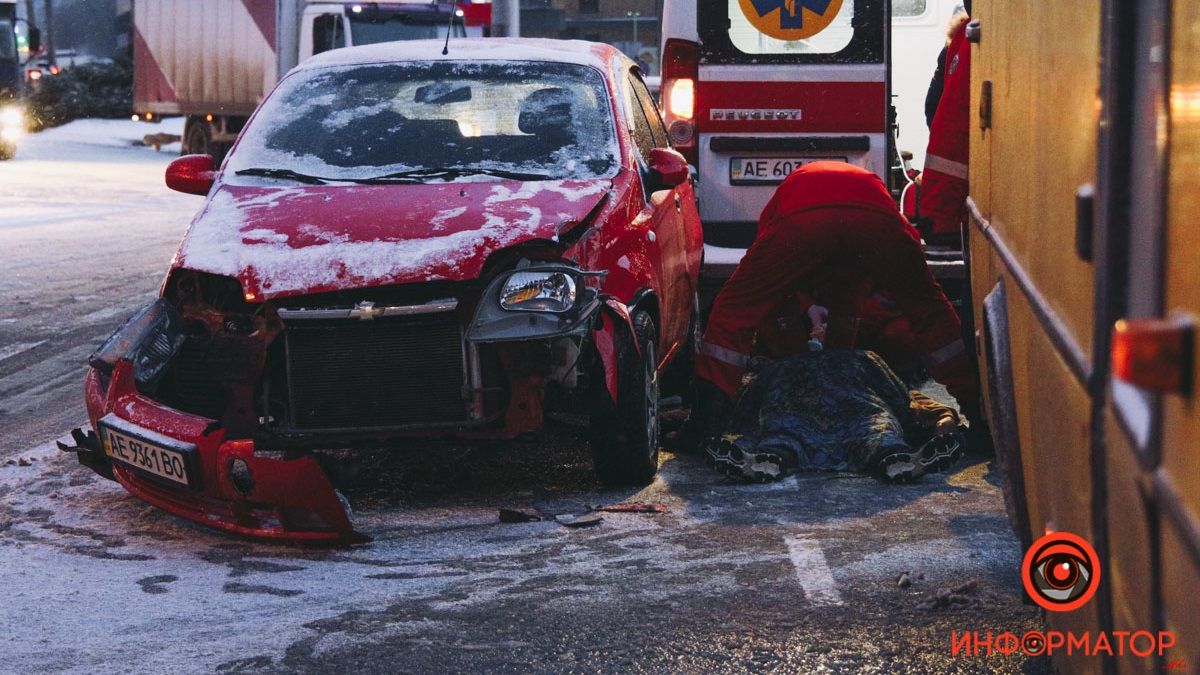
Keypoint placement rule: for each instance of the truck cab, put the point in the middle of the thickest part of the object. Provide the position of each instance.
(332, 25)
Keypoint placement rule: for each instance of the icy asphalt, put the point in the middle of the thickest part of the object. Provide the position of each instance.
(800, 576)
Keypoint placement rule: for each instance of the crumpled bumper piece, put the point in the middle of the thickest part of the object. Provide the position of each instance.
(273, 498)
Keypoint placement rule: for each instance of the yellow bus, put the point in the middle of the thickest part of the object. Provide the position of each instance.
(1084, 222)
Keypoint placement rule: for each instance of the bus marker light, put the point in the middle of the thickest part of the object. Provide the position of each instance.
(1154, 354)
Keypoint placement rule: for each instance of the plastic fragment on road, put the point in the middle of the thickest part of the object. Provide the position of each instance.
(585, 520)
(516, 516)
(633, 507)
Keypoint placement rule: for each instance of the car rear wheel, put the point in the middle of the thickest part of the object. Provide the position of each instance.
(678, 380)
(625, 436)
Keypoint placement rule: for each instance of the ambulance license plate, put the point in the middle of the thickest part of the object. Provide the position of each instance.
(146, 451)
(768, 170)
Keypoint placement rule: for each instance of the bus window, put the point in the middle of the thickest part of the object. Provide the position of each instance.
(904, 9)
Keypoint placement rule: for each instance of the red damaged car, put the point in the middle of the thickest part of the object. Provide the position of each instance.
(407, 243)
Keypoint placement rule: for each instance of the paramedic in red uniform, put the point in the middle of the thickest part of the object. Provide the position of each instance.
(828, 221)
(944, 180)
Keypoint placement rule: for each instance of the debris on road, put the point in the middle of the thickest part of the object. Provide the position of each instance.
(585, 520)
(633, 507)
(904, 581)
(958, 597)
(515, 516)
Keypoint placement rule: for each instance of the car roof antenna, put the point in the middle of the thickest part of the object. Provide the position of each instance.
(450, 28)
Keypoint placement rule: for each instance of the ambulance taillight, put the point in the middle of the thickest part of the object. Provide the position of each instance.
(680, 69)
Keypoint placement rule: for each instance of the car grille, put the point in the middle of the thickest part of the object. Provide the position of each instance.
(390, 372)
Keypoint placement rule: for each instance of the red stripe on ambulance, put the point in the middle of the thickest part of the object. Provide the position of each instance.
(825, 107)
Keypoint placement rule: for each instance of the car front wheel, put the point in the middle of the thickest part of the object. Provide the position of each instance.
(625, 436)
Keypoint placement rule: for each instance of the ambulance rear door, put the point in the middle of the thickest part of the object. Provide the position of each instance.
(781, 83)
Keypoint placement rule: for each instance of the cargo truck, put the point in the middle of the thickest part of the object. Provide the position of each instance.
(214, 61)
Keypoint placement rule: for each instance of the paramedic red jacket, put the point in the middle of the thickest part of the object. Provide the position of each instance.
(831, 220)
(944, 181)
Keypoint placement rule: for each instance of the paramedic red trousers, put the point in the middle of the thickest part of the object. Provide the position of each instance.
(795, 249)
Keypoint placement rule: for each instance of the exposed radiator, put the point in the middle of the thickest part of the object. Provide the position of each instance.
(389, 372)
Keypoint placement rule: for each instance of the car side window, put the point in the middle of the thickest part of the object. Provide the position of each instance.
(643, 134)
(644, 100)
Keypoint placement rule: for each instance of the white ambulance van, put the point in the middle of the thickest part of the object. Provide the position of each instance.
(752, 89)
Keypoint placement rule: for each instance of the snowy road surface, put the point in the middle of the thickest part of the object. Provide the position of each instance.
(799, 576)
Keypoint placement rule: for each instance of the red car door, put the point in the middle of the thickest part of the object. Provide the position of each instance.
(667, 223)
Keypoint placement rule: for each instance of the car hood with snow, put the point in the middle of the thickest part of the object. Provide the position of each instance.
(281, 242)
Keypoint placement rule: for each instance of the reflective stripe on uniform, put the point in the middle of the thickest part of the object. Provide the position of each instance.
(946, 166)
(946, 353)
(725, 354)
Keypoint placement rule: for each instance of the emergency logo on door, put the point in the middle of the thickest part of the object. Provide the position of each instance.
(790, 19)
(1061, 572)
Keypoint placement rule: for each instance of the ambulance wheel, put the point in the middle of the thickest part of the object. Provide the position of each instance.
(625, 436)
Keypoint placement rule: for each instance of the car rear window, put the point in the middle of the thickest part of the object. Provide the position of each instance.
(550, 119)
(793, 31)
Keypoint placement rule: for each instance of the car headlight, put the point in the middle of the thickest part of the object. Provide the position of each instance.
(544, 291)
(12, 117)
(149, 339)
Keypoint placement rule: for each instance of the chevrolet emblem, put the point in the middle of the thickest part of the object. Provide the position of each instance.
(365, 311)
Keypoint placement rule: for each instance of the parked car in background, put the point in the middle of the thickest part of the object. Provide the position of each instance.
(404, 243)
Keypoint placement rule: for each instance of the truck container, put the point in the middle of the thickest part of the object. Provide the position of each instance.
(214, 61)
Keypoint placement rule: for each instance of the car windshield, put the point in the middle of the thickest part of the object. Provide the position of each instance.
(371, 31)
(434, 121)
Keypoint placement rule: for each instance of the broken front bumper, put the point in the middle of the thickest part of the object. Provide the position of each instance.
(231, 487)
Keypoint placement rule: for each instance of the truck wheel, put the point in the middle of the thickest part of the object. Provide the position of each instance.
(625, 436)
(197, 139)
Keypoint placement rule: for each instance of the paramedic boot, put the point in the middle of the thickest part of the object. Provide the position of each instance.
(706, 421)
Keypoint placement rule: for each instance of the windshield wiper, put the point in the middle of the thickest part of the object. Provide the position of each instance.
(284, 173)
(452, 172)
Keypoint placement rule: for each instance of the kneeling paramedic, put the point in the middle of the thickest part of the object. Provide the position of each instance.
(827, 221)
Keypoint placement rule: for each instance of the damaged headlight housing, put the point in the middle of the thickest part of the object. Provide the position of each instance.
(149, 339)
(538, 291)
(12, 123)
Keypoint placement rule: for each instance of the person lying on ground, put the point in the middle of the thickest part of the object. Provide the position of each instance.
(831, 231)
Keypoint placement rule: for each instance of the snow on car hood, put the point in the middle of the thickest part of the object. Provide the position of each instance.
(314, 239)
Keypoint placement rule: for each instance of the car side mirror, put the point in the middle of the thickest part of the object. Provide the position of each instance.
(35, 40)
(193, 174)
(668, 168)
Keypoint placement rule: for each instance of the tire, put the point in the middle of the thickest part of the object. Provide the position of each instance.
(678, 379)
(624, 437)
(197, 139)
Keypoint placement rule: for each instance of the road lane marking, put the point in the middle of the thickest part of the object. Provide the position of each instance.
(18, 348)
(812, 571)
